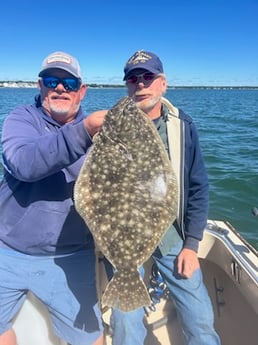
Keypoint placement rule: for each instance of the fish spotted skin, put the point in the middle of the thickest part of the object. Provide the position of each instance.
(127, 194)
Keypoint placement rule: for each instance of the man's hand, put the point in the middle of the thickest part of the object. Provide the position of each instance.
(187, 262)
(94, 121)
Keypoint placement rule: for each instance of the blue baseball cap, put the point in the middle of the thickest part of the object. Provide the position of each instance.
(62, 61)
(145, 60)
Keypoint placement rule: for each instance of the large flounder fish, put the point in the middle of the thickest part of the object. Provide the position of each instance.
(127, 194)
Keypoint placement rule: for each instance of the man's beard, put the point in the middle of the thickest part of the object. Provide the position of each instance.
(149, 105)
(62, 110)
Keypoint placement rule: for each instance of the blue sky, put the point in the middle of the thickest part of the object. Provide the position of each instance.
(201, 42)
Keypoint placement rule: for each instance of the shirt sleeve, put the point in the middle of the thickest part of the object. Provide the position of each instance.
(196, 191)
(34, 149)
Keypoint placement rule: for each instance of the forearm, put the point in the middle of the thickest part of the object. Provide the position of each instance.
(33, 157)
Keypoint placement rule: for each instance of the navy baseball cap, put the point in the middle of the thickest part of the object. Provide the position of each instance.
(62, 61)
(145, 60)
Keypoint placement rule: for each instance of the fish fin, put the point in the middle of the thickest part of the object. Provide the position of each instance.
(126, 291)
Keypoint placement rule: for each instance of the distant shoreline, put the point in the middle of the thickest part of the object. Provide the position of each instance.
(32, 84)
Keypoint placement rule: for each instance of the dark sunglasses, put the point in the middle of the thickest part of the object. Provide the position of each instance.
(147, 76)
(70, 84)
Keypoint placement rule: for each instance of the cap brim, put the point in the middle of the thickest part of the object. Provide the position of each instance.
(45, 71)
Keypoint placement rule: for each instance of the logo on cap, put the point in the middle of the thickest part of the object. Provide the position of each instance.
(139, 57)
(59, 58)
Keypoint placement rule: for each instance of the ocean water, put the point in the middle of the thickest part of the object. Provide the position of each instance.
(227, 121)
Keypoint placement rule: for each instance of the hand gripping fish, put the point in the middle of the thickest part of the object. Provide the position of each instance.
(127, 194)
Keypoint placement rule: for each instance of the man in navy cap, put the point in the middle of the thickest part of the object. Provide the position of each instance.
(176, 257)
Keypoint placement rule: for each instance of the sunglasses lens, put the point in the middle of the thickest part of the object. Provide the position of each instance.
(70, 84)
(50, 82)
(133, 79)
(148, 76)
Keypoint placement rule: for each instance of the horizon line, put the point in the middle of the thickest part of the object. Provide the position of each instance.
(94, 84)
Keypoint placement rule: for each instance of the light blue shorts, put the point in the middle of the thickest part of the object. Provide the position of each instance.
(65, 284)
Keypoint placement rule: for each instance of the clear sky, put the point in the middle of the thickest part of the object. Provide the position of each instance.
(201, 42)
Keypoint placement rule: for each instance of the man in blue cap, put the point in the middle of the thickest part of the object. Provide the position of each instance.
(44, 243)
(176, 257)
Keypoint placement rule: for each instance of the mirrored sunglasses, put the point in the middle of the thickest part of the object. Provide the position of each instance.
(147, 76)
(70, 84)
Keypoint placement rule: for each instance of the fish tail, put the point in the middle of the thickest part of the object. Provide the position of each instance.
(126, 291)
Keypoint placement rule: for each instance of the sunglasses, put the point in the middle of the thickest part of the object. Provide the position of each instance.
(70, 84)
(147, 76)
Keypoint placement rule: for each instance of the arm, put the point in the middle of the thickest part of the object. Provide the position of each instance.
(196, 206)
(34, 148)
